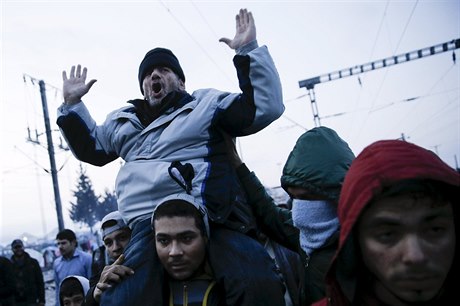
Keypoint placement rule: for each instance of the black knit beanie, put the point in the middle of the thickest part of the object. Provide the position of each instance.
(159, 57)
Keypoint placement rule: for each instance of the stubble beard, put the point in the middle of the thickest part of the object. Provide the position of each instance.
(154, 103)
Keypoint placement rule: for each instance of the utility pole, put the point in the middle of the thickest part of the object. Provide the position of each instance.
(309, 84)
(57, 196)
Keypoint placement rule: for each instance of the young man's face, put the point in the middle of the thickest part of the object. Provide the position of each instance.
(408, 243)
(116, 242)
(180, 246)
(159, 82)
(74, 300)
(66, 247)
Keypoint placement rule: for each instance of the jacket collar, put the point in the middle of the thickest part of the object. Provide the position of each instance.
(174, 100)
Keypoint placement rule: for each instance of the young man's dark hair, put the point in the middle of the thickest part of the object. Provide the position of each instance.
(179, 208)
(66, 234)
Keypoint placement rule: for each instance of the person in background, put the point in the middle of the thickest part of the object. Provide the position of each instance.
(72, 260)
(7, 282)
(181, 229)
(170, 134)
(30, 286)
(72, 290)
(312, 176)
(399, 210)
(105, 268)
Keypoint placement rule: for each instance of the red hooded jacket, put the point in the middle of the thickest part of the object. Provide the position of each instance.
(382, 164)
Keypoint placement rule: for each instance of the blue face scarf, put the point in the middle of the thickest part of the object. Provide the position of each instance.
(316, 220)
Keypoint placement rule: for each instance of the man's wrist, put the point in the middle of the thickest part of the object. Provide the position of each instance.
(71, 102)
(246, 48)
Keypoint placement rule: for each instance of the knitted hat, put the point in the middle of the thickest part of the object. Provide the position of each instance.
(159, 57)
(112, 222)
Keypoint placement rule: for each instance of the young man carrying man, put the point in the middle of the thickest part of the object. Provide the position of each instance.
(172, 134)
(181, 231)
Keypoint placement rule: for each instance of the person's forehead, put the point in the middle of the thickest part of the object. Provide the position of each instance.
(78, 295)
(118, 232)
(62, 241)
(407, 207)
(73, 298)
(175, 225)
(160, 66)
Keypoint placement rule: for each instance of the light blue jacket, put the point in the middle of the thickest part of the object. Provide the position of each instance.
(188, 133)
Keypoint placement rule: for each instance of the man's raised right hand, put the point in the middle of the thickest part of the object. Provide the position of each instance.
(75, 87)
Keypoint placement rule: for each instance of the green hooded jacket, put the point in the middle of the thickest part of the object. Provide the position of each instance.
(319, 162)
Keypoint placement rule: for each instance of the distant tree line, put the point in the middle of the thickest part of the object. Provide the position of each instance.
(88, 207)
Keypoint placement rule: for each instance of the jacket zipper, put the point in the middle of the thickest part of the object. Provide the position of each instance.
(185, 299)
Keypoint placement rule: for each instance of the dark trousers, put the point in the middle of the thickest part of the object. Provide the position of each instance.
(239, 262)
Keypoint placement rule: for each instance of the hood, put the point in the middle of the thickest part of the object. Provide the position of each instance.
(318, 162)
(84, 282)
(380, 165)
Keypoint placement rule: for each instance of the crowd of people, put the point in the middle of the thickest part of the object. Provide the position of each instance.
(195, 226)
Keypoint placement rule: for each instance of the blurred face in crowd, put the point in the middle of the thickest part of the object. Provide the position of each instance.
(116, 242)
(18, 250)
(66, 247)
(407, 242)
(180, 246)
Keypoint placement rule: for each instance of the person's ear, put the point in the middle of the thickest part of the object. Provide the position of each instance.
(181, 84)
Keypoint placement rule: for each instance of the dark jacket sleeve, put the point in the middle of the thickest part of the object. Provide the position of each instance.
(274, 221)
(7, 279)
(39, 281)
(97, 266)
(89, 299)
(81, 142)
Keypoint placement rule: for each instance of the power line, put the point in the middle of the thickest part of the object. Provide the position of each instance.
(309, 84)
(379, 90)
(196, 42)
(426, 95)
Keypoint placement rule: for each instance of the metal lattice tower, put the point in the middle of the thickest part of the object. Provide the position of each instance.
(309, 84)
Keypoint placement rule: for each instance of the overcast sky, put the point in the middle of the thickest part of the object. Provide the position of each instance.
(39, 39)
